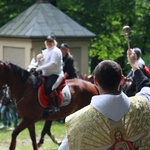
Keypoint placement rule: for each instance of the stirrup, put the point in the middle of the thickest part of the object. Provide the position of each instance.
(53, 110)
(56, 109)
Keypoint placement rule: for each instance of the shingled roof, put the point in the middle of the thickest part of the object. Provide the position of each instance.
(41, 19)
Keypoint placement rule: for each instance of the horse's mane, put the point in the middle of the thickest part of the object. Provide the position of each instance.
(24, 74)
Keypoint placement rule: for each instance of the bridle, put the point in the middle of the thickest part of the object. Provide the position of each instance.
(20, 100)
(4, 68)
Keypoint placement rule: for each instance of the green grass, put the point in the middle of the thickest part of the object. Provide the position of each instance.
(24, 141)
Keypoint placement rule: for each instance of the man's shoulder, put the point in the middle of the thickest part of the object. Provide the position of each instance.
(139, 102)
(137, 98)
(80, 112)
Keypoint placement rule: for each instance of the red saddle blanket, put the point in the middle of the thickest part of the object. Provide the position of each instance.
(43, 98)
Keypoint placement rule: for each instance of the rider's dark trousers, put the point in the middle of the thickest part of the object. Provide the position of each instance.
(49, 82)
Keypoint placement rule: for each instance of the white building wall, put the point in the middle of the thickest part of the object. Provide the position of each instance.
(17, 51)
(21, 51)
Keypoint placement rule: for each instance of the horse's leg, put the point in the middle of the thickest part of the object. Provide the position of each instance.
(31, 129)
(50, 134)
(47, 130)
(20, 127)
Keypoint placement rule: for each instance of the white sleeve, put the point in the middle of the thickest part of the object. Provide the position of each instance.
(145, 92)
(64, 145)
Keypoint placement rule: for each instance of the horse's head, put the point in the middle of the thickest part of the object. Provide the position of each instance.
(32, 66)
(89, 78)
(3, 74)
(83, 76)
(11, 74)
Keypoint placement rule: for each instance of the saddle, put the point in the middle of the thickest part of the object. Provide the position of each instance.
(64, 94)
(43, 98)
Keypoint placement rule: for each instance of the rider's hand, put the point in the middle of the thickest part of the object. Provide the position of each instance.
(38, 69)
(132, 59)
(39, 57)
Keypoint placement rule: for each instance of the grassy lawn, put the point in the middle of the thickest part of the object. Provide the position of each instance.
(23, 139)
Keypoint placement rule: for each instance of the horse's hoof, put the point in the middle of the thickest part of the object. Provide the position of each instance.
(39, 144)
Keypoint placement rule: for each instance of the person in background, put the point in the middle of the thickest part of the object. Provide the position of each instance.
(140, 61)
(93, 126)
(68, 62)
(51, 65)
(5, 113)
(13, 111)
(68, 66)
(130, 91)
(8, 110)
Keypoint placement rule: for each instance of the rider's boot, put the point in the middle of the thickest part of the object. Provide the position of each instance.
(53, 99)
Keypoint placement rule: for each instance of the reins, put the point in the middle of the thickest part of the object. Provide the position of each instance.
(16, 69)
(16, 103)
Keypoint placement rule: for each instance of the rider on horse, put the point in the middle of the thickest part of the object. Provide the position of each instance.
(50, 64)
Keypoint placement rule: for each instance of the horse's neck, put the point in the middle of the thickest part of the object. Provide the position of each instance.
(17, 87)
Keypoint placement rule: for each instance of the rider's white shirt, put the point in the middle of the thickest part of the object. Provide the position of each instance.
(51, 62)
(110, 105)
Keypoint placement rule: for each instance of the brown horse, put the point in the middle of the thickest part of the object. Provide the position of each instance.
(28, 106)
(48, 123)
(86, 77)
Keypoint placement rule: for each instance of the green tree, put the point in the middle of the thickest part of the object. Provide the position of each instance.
(105, 18)
(11, 8)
